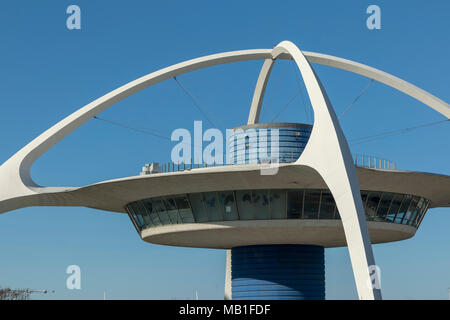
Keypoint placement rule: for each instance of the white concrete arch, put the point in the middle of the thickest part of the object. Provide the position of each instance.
(327, 141)
(392, 81)
(260, 89)
(15, 172)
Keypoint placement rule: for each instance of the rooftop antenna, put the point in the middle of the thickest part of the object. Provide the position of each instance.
(196, 294)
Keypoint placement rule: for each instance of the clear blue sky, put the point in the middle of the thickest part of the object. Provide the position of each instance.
(48, 72)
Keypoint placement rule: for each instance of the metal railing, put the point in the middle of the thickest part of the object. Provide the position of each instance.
(366, 161)
(360, 160)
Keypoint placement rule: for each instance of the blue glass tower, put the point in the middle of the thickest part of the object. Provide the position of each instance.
(274, 272)
(278, 272)
(255, 143)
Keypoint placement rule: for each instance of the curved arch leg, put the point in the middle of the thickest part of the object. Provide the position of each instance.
(18, 190)
(328, 153)
(260, 89)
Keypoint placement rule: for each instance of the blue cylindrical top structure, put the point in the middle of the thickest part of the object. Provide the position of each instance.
(268, 142)
(278, 272)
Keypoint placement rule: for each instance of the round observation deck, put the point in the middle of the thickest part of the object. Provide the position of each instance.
(224, 219)
(232, 215)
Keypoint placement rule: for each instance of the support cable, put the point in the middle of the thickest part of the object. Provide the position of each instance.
(138, 129)
(141, 130)
(297, 77)
(285, 106)
(356, 99)
(197, 104)
(394, 132)
(265, 106)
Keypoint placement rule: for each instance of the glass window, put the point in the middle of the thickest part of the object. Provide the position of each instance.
(327, 206)
(159, 211)
(420, 213)
(277, 199)
(364, 195)
(270, 204)
(416, 211)
(212, 206)
(134, 216)
(172, 210)
(311, 205)
(144, 214)
(373, 199)
(228, 206)
(260, 199)
(198, 207)
(394, 207)
(383, 207)
(138, 213)
(244, 202)
(184, 209)
(411, 209)
(403, 208)
(149, 208)
(294, 204)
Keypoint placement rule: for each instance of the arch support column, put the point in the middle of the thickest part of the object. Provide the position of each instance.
(260, 89)
(327, 141)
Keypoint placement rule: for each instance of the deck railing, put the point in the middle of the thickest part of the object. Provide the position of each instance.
(366, 161)
(360, 160)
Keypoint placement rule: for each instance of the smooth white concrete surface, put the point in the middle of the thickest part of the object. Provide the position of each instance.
(260, 89)
(229, 234)
(327, 141)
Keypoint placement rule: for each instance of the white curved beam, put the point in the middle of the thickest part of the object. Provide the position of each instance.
(260, 89)
(328, 153)
(388, 79)
(392, 81)
(15, 172)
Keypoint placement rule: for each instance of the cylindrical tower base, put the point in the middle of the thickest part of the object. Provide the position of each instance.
(278, 272)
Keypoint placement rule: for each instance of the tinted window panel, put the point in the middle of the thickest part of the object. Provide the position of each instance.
(228, 205)
(261, 204)
(277, 199)
(294, 204)
(394, 208)
(172, 210)
(327, 206)
(212, 206)
(184, 209)
(149, 208)
(245, 206)
(372, 204)
(198, 207)
(311, 205)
